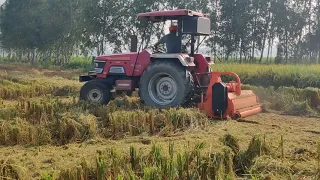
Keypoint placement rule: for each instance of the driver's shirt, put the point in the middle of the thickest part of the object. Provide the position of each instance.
(172, 42)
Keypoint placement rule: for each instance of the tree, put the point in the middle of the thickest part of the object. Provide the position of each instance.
(241, 29)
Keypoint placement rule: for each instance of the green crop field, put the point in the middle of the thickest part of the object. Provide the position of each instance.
(298, 76)
(47, 133)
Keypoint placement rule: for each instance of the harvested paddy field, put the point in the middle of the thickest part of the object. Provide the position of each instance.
(300, 137)
(46, 133)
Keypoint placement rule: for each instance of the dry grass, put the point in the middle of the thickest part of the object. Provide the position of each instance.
(15, 88)
(256, 161)
(41, 103)
(67, 129)
(57, 132)
(23, 82)
(154, 122)
(292, 101)
(76, 121)
(20, 70)
(318, 159)
(8, 170)
(18, 131)
(299, 135)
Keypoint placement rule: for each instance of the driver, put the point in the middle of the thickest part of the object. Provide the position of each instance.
(171, 40)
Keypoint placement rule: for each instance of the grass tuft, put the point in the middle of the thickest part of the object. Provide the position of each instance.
(232, 142)
(266, 167)
(318, 159)
(8, 170)
(245, 159)
(19, 132)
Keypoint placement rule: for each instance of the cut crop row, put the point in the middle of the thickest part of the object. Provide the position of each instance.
(259, 160)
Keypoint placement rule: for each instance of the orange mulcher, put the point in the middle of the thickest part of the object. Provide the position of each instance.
(227, 99)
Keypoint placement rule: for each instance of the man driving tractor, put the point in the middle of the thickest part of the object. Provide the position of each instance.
(171, 40)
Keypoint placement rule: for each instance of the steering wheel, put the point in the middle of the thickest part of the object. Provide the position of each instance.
(157, 49)
(184, 49)
(160, 50)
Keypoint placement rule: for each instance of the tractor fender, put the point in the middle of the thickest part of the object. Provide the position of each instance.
(184, 59)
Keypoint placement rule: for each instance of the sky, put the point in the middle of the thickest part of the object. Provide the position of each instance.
(2, 1)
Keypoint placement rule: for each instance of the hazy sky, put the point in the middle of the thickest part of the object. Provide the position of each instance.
(1, 1)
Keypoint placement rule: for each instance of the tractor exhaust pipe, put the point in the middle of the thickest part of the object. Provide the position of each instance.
(134, 43)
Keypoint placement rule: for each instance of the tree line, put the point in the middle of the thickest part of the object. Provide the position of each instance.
(242, 30)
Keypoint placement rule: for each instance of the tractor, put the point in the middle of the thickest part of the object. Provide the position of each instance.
(170, 79)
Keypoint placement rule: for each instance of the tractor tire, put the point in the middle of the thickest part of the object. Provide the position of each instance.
(95, 91)
(165, 84)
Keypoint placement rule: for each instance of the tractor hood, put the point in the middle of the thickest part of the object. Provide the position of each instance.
(120, 57)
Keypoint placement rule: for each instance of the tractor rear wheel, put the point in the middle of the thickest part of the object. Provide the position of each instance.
(165, 84)
(95, 91)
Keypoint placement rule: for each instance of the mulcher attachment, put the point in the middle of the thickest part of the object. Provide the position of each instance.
(227, 99)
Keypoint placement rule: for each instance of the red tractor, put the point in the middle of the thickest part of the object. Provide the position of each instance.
(169, 79)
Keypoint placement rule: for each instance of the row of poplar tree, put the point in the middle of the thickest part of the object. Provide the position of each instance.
(242, 30)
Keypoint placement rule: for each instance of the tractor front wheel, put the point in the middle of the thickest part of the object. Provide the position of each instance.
(95, 91)
(165, 84)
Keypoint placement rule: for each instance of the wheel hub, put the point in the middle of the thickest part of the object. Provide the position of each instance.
(95, 95)
(162, 90)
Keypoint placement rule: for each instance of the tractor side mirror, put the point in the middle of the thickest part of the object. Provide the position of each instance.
(134, 43)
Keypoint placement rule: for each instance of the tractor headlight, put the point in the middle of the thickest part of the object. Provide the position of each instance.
(99, 66)
(98, 70)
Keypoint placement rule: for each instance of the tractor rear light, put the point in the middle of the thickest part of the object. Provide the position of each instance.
(189, 59)
(210, 59)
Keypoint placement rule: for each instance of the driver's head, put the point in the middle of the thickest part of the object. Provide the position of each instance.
(173, 28)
